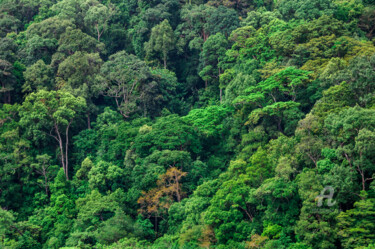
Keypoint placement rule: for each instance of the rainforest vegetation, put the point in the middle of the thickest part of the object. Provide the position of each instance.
(187, 124)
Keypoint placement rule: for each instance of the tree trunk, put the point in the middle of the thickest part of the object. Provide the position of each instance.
(97, 30)
(61, 149)
(221, 96)
(66, 151)
(88, 121)
(279, 120)
(156, 226)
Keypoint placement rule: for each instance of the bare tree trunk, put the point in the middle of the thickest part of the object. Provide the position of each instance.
(66, 151)
(221, 96)
(279, 124)
(221, 90)
(97, 30)
(88, 121)
(61, 148)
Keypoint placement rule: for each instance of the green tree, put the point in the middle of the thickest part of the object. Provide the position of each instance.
(7, 80)
(316, 229)
(52, 27)
(74, 40)
(47, 171)
(353, 130)
(161, 43)
(76, 74)
(356, 226)
(104, 176)
(168, 133)
(121, 78)
(14, 157)
(212, 59)
(37, 77)
(51, 114)
(276, 96)
(306, 10)
(98, 17)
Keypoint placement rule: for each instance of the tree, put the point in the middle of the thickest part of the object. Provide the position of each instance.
(37, 77)
(311, 144)
(23, 10)
(353, 130)
(306, 10)
(168, 133)
(101, 219)
(121, 78)
(212, 58)
(201, 21)
(52, 27)
(74, 11)
(76, 74)
(98, 17)
(74, 40)
(232, 211)
(315, 228)
(7, 80)
(44, 168)
(360, 77)
(103, 176)
(208, 121)
(242, 6)
(38, 48)
(161, 92)
(277, 97)
(14, 158)
(366, 21)
(356, 226)
(51, 114)
(162, 42)
(8, 24)
(157, 201)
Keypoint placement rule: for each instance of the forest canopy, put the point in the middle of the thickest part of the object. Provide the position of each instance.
(187, 124)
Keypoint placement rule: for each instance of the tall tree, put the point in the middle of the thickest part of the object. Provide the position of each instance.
(121, 78)
(76, 74)
(157, 201)
(161, 43)
(97, 18)
(51, 114)
(7, 80)
(212, 58)
(44, 168)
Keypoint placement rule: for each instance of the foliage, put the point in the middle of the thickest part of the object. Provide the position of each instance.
(187, 124)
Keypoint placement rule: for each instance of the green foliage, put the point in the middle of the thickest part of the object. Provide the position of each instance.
(208, 121)
(49, 115)
(187, 124)
(354, 229)
(161, 42)
(38, 77)
(171, 133)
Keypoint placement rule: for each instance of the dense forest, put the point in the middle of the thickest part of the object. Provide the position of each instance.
(187, 124)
